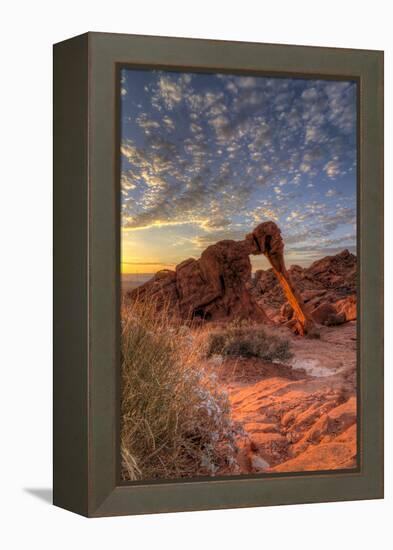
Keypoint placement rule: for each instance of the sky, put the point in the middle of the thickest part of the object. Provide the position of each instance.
(206, 157)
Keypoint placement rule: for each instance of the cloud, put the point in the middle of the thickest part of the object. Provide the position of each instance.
(264, 213)
(126, 182)
(171, 89)
(203, 241)
(146, 123)
(342, 97)
(222, 153)
(310, 94)
(219, 123)
(216, 223)
(292, 216)
(174, 196)
(168, 123)
(245, 82)
(332, 168)
(332, 193)
(305, 167)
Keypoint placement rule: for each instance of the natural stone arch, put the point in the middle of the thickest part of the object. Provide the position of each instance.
(216, 286)
(266, 239)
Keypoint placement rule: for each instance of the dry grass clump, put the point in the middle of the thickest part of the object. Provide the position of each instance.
(236, 340)
(175, 420)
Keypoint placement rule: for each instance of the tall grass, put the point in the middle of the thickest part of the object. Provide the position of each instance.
(175, 420)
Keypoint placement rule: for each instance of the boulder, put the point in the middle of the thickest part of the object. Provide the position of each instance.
(326, 314)
(347, 307)
(286, 312)
(215, 286)
(338, 272)
(327, 288)
(161, 290)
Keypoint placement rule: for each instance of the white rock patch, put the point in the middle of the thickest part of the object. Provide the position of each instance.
(313, 368)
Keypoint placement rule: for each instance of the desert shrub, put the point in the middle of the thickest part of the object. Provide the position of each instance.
(246, 341)
(175, 420)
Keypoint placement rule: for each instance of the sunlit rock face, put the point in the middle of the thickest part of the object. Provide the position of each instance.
(215, 287)
(327, 288)
(219, 285)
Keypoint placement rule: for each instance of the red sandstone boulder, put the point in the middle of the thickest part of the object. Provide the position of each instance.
(347, 307)
(215, 286)
(327, 287)
(337, 271)
(286, 312)
(161, 290)
(326, 314)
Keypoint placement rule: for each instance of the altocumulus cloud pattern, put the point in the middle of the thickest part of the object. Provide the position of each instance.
(208, 156)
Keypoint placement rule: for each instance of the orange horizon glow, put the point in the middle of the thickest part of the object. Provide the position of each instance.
(134, 268)
(144, 268)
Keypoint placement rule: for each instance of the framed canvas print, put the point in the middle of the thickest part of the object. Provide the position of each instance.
(218, 274)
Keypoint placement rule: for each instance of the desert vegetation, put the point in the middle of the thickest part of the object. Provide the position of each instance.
(175, 418)
(239, 339)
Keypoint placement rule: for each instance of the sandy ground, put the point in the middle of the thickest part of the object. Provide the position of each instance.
(300, 416)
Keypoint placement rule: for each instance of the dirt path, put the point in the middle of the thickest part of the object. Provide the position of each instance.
(301, 416)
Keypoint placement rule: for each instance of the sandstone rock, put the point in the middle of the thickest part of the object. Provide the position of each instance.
(260, 427)
(261, 440)
(309, 295)
(347, 307)
(296, 425)
(326, 314)
(217, 286)
(343, 416)
(258, 463)
(286, 312)
(330, 281)
(211, 288)
(337, 272)
(265, 280)
(266, 239)
(161, 289)
(329, 456)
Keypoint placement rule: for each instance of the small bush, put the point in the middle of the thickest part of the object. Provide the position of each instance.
(240, 341)
(175, 420)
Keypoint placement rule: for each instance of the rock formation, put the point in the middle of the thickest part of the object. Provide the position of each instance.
(327, 288)
(217, 285)
(266, 239)
(312, 426)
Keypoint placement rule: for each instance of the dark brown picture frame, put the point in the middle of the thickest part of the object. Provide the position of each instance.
(87, 276)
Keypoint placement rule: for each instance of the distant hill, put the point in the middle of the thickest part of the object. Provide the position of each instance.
(129, 281)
